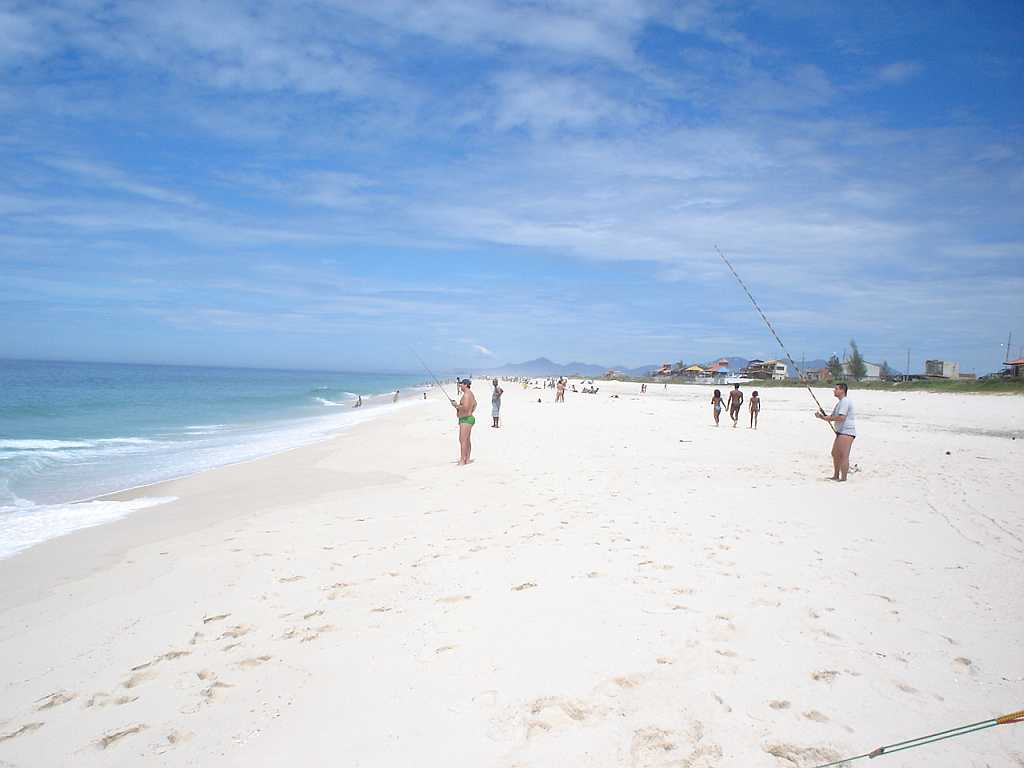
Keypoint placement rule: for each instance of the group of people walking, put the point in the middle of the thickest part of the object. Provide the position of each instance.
(735, 404)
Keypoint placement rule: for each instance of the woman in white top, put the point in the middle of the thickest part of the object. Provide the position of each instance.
(846, 432)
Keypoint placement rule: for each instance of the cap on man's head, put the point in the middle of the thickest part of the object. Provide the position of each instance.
(467, 382)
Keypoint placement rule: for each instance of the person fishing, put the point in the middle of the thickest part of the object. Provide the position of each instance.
(846, 431)
(464, 410)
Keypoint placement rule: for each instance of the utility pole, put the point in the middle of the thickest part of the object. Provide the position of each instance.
(907, 375)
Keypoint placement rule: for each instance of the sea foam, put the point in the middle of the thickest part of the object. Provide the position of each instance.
(25, 524)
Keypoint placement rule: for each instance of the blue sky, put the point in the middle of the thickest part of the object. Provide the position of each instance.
(323, 184)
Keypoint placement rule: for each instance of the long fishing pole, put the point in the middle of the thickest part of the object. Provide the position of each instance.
(436, 381)
(920, 741)
(772, 329)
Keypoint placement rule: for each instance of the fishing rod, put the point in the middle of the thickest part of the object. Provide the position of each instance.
(920, 741)
(436, 381)
(772, 329)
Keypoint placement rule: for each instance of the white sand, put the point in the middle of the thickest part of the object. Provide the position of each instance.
(614, 582)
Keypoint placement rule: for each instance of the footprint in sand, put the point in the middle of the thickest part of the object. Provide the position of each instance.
(454, 599)
(825, 675)
(524, 585)
(106, 700)
(253, 662)
(778, 704)
(290, 579)
(210, 692)
(236, 632)
(28, 728)
(139, 678)
(801, 755)
(816, 716)
(218, 617)
(113, 737)
(54, 700)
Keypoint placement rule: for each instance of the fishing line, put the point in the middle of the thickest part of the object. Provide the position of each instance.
(772, 329)
(427, 368)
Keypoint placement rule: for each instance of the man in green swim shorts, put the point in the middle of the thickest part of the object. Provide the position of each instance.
(464, 409)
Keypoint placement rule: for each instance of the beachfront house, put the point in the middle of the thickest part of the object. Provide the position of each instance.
(817, 374)
(941, 369)
(696, 373)
(665, 370)
(766, 370)
(1014, 368)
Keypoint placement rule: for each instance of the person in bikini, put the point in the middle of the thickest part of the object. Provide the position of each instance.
(464, 410)
(716, 405)
(846, 432)
(755, 409)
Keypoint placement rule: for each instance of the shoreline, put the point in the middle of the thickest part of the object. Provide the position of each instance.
(136, 492)
(601, 587)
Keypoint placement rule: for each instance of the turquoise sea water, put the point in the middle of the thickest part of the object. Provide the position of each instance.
(72, 431)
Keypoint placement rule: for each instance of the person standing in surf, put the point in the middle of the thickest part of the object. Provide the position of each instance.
(464, 410)
(846, 432)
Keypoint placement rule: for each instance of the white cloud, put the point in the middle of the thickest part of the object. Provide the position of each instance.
(483, 350)
(899, 72)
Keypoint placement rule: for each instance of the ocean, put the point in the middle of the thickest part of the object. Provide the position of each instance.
(72, 431)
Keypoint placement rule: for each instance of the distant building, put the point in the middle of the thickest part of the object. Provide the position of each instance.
(872, 371)
(817, 374)
(1015, 368)
(665, 370)
(767, 370)
(968, 376)
(941, 369)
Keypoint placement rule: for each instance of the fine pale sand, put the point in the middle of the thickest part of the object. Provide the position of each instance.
(613, 582)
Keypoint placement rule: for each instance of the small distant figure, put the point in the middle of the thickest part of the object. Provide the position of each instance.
(643, 389)
(395, 398)
(755, 408)
(846, 432)
(665, 386)
(496, 402)
(735, 403)
(560, 391)
(716, 405)
(359, 401)
(464, 410)
(424, 395)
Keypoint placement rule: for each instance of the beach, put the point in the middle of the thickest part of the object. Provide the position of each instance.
(614, 581)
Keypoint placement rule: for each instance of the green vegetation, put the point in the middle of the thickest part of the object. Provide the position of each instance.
(857, 368)
(835, 367)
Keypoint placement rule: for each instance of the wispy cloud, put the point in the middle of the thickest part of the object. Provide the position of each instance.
(563, 161)
(900, 72)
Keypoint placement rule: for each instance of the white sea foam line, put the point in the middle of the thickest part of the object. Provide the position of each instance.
(351, 419)
(24, 524)
(42, 445)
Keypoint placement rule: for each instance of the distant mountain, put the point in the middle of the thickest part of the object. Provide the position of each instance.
(544, 367)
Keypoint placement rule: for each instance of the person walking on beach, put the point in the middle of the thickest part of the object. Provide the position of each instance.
(755, 409)
(496, 402)
(560, 391)
(464, 410)
(716, 405)
(846, 432)
(395, 398)
(735, 402)
(359, 401)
